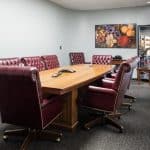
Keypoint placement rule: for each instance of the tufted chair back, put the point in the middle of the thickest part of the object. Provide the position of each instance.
(76, 58)
(10, 61)
(121, 83)
(34, 61)
(20, 96)
(101, 59)
(133, 63)
(119, 75)
(51, 61)
(21, 101)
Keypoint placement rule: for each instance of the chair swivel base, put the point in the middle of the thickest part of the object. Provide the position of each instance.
(129, 105)
(132, 98)
(103, 120)
(32, 134)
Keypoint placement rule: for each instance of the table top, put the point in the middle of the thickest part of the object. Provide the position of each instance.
(117, 61)
(66, 82)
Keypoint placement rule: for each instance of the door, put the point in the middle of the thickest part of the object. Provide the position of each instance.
(144, 47)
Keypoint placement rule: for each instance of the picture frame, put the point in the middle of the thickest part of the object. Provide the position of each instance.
(115, 36)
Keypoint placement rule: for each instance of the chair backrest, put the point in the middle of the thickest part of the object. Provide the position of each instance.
(34, 61)
(121, 83)
(20, 96)
(133, 63)
(101, 59)
(51, 61)
(76, 58)
(10, 61)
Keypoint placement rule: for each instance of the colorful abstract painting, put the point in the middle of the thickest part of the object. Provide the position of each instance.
(115, 36)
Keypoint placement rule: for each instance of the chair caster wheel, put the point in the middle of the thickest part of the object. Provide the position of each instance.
(121, 130)
(129, 108)
(58, 139)
(87, 128)
(5, 137)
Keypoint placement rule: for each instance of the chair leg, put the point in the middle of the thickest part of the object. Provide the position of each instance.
(115, 115)
(93, 122)
(105, 119)
(113, 123)
(31, 135)
(132, 98)
(127, 105)
(49, 135)
(16, 132)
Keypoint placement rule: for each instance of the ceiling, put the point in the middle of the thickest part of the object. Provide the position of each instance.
(99, 4)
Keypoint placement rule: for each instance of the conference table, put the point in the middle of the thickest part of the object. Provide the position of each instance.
(67, 85)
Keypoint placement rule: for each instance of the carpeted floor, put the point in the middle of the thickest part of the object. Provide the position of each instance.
(135, 137)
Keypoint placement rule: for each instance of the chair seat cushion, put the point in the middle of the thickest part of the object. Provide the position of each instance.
(100, 98)
(50, 109)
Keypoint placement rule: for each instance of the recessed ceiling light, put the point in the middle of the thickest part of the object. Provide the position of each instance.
(148, 2)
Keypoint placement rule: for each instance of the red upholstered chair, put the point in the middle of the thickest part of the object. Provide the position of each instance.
(34, 61)
(10, 61)
(77, 58)
(133, 62)
(101, 59)
(107, 100)
(51, 61)
(24, 105)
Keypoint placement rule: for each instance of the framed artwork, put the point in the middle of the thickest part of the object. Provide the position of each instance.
(115, 36)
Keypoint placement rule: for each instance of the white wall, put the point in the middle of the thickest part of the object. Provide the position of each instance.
(82, 29)
(32, 27)
(39, 27)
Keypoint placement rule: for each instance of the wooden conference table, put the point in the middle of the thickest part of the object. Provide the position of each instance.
(67, 84)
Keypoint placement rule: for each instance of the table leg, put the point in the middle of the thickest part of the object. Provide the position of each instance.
(69, 118)
(138, 76)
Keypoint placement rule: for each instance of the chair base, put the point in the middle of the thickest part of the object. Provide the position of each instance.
(132, 98)
(128, 105)
(32, 134)
(104, 120)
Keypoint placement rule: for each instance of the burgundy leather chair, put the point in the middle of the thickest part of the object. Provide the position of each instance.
(77, 58)
(51, 61)
(10, 61)
(101, 59)
(133, 62)
(24, 105)
(107, 100)
(34, 61)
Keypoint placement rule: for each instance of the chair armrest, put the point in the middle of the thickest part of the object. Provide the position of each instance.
(108, 82)
(109, 79)
(113, 75)
(96, 89)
